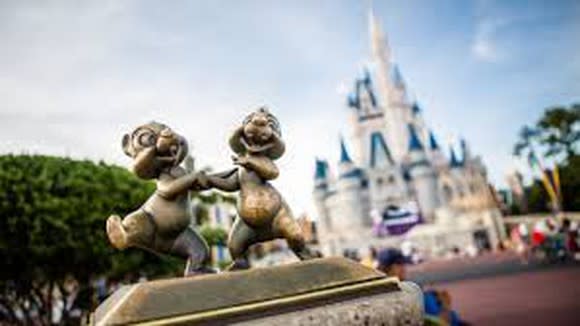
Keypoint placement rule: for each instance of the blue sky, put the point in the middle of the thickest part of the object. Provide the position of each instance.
(74, 76)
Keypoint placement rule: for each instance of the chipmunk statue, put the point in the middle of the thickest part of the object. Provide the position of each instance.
(162, 224)
(263, 213)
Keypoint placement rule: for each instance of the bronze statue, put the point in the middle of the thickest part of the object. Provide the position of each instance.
(162, 224)
(263, 213)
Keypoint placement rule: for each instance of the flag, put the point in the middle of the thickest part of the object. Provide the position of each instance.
(556, 179)
(546, 180)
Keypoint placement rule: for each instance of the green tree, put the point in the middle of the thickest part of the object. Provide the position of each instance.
(52, 230)
(556, 134)
(214, 235)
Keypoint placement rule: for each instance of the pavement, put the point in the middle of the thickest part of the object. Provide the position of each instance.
(497, 289)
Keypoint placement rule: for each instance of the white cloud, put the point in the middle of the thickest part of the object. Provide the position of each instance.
(484, 45)
(74, 79)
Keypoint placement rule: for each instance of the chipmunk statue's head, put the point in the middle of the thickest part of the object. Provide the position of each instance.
(259, 134)
(154, 147)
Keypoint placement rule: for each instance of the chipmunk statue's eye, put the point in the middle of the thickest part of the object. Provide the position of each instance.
(145, 138)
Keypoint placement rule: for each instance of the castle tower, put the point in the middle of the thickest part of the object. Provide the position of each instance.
(458, 175)
(350, 206)
(465, 151)
(437, 158)
(454, 162)
(422, 175)
(392, 91)
(320, 193)
(385, 179)
(416, 117)
(366, 116)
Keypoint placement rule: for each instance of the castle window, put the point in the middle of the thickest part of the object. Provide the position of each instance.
(364, 183)
(379, 182)
(391, 179)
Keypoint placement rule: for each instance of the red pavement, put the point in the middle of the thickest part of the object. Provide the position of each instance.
(439, 265)
(547, 297)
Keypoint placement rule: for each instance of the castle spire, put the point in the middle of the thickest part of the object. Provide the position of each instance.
(433, 145)
(414, 142)
(416, 108)
(379, 44)
(453, 162)
(465, 152)
(362, 97)
(344, 156)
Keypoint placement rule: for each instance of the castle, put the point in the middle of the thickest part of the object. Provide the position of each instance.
(397, 161)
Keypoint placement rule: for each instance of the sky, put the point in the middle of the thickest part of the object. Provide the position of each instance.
(76, 75)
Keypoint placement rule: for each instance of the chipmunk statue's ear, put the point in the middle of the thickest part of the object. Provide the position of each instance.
(127, 147)
(182, 150)
(278, 147)
(236, 143)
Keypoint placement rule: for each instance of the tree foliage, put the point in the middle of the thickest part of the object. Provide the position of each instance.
(556, 134)
(52, 229)
(214, 235)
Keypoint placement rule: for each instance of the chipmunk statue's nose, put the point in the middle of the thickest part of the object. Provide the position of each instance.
(260, 121)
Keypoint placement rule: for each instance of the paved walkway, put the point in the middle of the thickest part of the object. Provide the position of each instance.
(497, 289)
(545, 297)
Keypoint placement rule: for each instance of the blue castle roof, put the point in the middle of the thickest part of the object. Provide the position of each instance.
(433, 145)
(360, 85)
(379, 147)
(453, 161)
(344, 156)
(416, 108)
(414, 142)
(354, 173)
(321, 170)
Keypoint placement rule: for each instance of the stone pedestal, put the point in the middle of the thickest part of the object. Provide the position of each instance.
(328, 291)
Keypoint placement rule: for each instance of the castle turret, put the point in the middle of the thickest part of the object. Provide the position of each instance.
(350, 186)
(433, 144)
(438, 160)
(416, 117)
(392, 91)
(385, 181)
(459, 178)
(366, 116)
(321, 192)
(454, 162)
(422, 176)
(345, 164)
(321, 176)
(465, 151)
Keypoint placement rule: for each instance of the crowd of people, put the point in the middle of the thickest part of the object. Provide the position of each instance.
(547, 240)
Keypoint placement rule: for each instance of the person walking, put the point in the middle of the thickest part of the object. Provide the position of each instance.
(437, 303)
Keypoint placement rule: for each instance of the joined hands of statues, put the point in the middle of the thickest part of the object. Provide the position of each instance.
(163, 223)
